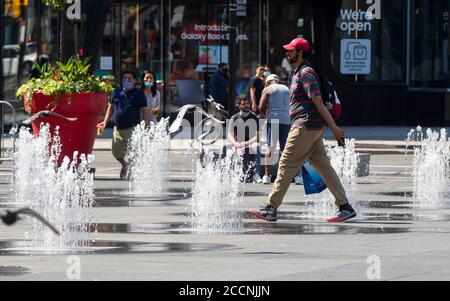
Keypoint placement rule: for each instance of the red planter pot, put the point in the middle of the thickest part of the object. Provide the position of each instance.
(76, 135)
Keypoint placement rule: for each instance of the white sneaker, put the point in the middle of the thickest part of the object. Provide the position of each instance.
(257, 178)
(298, 180)
(266, 180)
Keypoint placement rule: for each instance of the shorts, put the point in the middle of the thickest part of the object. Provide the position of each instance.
(120, 142)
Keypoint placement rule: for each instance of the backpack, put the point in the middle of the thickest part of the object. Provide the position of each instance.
(329, 95)
(330, 98)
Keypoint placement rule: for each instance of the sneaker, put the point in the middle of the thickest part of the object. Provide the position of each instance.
(342, 216)
(269, 213)
(298, 180)
(257, 178)
(266, 180)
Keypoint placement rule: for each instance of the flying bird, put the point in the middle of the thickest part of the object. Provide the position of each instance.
(46, 114)
(10, 217)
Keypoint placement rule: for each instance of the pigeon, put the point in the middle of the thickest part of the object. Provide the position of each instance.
(10, 217)
(45, 114)
(177, 123)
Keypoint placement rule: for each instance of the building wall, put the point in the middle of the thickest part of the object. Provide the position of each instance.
(402, 53)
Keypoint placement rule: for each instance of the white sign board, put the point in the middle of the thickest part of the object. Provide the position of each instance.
(356, 56)
(106, 63)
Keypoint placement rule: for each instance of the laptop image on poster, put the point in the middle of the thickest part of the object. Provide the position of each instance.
(189, 91)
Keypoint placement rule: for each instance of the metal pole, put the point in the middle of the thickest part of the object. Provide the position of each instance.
(232, 57)
(60, 33)
(162, 70)
(137, 36)
(2, 94)
(2, 6)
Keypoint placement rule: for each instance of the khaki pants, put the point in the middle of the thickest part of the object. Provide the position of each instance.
(120, 141)
(302, 145)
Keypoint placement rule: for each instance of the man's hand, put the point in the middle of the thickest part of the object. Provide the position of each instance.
(238, 145)
(338, 133)
(101, 125)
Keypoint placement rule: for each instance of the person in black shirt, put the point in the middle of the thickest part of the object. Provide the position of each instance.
(127, 105)
(243, 134)
(257, 86)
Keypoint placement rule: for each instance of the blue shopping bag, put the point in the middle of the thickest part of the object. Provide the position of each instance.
(312, 181)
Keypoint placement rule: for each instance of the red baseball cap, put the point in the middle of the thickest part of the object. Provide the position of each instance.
(298, 43)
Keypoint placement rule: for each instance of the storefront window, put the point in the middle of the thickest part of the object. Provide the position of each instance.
(199, 41)
(29, 33)
(368, 41)
(286, 22)
(430, 42)
(131, 40)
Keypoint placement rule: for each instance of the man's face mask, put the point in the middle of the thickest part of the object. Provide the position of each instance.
(127, 85)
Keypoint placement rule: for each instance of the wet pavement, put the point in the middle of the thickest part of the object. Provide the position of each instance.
(108, 247)
(151, 237)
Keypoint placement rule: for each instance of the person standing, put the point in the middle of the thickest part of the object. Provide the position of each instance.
(219, 85)
(152, 95)
(127, 105)
(256, 88)
(305, 140)
(274, 107)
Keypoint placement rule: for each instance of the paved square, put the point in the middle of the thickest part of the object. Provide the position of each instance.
(142, 238)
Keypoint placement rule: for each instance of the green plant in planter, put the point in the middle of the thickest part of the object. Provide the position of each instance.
(64, 78)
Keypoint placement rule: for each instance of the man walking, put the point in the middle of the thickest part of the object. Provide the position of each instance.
(127, 104)
(305, 140)
(274, 107)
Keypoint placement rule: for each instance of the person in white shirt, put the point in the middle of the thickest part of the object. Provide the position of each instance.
(152, 95)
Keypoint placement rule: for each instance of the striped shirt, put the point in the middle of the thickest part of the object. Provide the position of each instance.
(304, 87)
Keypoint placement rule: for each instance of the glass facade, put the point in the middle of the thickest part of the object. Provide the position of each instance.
(29, 31)
(379, 42)
(429, 26)
(369, 41)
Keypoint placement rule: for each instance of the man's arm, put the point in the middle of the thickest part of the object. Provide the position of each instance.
(338, 133)
(232, 140)
(252, 98)
(231, 137)
(108, 115)
(264, 101)
(253, 140)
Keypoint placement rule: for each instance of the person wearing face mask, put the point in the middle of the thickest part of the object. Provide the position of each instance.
(219, 85)
(152, 94)
(127, 106)
(243, 134)
(305, 140)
